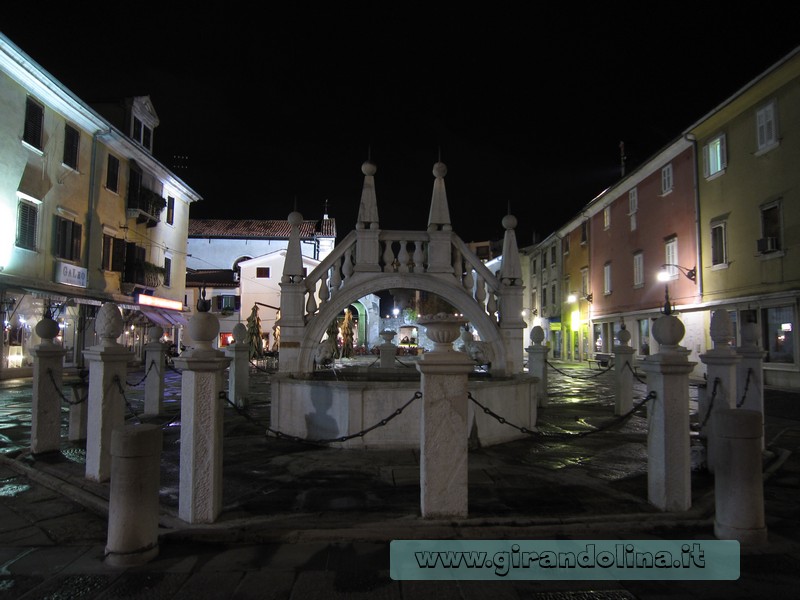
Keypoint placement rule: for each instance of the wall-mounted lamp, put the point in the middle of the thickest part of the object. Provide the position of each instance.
(572, 298)
(589, 298)
(668, 271)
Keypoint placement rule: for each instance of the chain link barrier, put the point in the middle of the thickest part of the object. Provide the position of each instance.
(710, 405)
(740, 403)
(594, 375)
(650, 396)
(61, 394)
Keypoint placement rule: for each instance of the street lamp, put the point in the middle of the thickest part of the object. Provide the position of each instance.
(668, 271)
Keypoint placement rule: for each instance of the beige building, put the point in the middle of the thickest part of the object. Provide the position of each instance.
(88, 216)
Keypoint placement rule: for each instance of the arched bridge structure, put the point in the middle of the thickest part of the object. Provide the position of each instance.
(369, 260)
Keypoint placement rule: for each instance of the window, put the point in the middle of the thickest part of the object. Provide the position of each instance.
(112, 173)
(167, 270)
(170, 210)
(718, 250)
(113, 253)
(565, 244)
(778, 334)
(715, 156)
(767, 126)
(227, 303)
(34, 124)
(607, 278)
(533, 267)
(771, 227)
(553, 295)
(68, 239)
(584, 282)
(142, 134)
(584, 232)
(72, 139)
(666, 179)
(262, 272)
(644, 336)
(638, 269)
(553, 256)
(633, 206)
(671, 257)
(27, 224)
(606, 217)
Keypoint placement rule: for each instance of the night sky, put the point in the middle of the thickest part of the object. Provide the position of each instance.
(526, 110)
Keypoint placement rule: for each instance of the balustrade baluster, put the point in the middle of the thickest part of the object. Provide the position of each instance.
(418, 266)
(388, 257)
(480, 291)
(403, 257)
(468, 281)
(347, 269)
(336, 278)
(311, 304)
(491, 305)
(324, 290)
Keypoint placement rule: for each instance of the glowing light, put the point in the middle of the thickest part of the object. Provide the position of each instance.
(572, 298)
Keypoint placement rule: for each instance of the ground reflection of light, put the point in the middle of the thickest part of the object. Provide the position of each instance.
(13, 489)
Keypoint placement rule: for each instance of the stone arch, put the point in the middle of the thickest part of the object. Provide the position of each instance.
(362, 284)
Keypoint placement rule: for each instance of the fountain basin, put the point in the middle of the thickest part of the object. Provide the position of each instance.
(324, 406)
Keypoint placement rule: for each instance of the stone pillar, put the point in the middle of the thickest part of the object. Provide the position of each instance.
(108, 368)
(239, 371)
(668, 452)
(623, 373)
(537, 363)
(444, 432)
(721, 362)
(200, 490)
(738, 479)
(48, 376)
(79, 409)
(133, 502)
(387, 349)
(750, 374)
(155, 367)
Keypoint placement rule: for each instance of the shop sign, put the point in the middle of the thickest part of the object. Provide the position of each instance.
(70, 274)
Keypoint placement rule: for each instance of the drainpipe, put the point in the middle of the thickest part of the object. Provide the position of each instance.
(80, 343)
(690, 137)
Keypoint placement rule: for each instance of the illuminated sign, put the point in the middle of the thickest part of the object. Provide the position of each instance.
(145, 300)
(70, 274)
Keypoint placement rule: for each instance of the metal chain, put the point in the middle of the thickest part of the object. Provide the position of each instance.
(710, 404)
(146, 373)
(635, 374)
(603, 372)
(620, 419)
(318, 442)
(118, 381)
(60, 393)
(746, 387)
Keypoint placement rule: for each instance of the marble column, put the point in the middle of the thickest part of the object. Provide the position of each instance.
(444, 433)
(750, 373)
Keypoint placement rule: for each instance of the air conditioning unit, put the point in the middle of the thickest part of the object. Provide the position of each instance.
(768, 244)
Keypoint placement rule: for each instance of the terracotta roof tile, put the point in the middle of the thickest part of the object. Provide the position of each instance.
(258, 228)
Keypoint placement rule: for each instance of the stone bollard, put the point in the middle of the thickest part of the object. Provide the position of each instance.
(388, 351)
(444, 431)
(721, 363)
(669, 484)
(623, 372)
(48, 375)
(108, 367)
(155, 366)
(750, 373)
(537, 363)
(738, 478)
(79, 409)
(133, 502)
(200, 488)
(239, 371)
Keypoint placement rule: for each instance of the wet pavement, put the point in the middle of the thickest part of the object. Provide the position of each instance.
(303, 521)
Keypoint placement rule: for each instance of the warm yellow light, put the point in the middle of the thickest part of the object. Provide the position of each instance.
(158, 302)
(572, 298)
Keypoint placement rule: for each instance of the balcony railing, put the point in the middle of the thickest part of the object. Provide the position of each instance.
(145, 206)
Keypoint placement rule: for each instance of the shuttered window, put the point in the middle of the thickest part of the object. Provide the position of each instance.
(68, 239)
(34, 120)
(27, 223)
(112, 173)
(72, 138)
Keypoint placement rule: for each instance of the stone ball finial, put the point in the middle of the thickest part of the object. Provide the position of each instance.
(668, 330)
(295, 218)
(624, 336)
(368, 168)
(154, 334)
(439, 169)
(239, 333)
(721, 329)
(109, 323)
(537, 335)
(47, 329)
(509, 222)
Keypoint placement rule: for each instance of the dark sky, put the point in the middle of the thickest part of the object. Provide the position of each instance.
(527, 110)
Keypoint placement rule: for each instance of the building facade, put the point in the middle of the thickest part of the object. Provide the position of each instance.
(89, 216)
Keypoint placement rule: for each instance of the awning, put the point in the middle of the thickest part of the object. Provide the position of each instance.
(163, 317)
